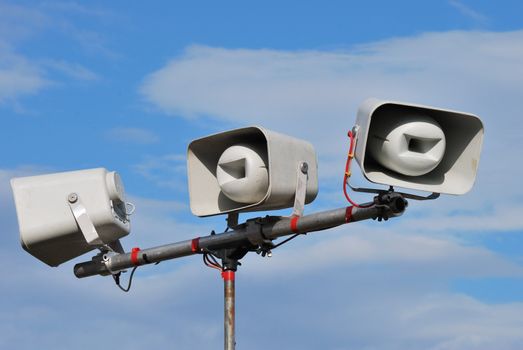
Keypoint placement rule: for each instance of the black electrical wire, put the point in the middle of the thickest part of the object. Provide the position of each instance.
(117, 280)
(287, 240)
(213, 259)
(211, 262)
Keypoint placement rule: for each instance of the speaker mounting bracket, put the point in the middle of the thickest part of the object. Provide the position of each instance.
(232, 220)
(432, 196)
(83, 220)
(86, 226)
(301, 189)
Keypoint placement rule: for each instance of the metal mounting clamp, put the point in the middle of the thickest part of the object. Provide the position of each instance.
(83, 220)
(301, 189)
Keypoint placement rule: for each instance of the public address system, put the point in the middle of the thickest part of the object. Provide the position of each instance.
(64, 215)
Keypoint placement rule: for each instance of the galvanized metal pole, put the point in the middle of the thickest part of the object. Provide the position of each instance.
(254, 232)
(229, 309)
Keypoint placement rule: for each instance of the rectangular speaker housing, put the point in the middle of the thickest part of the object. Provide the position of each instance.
(283, 154)
(457, 171)
(48, 229)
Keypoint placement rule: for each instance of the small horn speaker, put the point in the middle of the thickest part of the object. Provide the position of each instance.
(247, 169)
(48, 228)
(418, 147)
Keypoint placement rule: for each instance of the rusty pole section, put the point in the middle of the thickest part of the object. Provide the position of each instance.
(229, 309)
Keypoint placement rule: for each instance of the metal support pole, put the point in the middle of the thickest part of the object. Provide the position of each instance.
(229, 309)
(253, 235)
(248, 236)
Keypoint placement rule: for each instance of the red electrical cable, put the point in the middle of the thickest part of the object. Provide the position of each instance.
(348, 171)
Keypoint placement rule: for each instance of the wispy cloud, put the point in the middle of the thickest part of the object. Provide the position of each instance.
(157, 222)
(19, 76)
(20, 73)
(304, 92)
(166, 170)
(73, 70)
(19, 22)
(131, 135)
(315, 87)
(469, 12)
(77, 8)
(355, 246)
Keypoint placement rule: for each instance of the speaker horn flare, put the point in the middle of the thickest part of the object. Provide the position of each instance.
(412, 145)
(418, 147)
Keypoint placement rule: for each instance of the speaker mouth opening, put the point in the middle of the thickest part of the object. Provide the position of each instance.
(235, 169)
(420, 144)
(242, 173)
(455, 155)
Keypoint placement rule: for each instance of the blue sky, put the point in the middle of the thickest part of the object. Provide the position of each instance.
(126, 86)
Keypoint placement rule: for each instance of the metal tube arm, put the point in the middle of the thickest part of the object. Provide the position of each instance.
(249, 235)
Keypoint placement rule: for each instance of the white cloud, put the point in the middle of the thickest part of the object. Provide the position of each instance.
(320, 90)
(20, 22)
(132, 135)
(77, 8)
(23, 74)
(469, 12)
(168, 170)
(157, 222)
(73, 70)
(498, 218)
(354, 246)
(18, 76)
(301, 90)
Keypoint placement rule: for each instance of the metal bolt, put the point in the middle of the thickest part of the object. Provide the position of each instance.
(304, 167)
(72, 198)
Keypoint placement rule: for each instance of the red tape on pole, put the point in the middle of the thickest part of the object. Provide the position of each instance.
(134, 256)
(348, 214)
(195, 245)
(294, 224)
(228, 275)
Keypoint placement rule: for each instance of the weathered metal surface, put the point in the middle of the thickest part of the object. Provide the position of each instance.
(249, 234)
